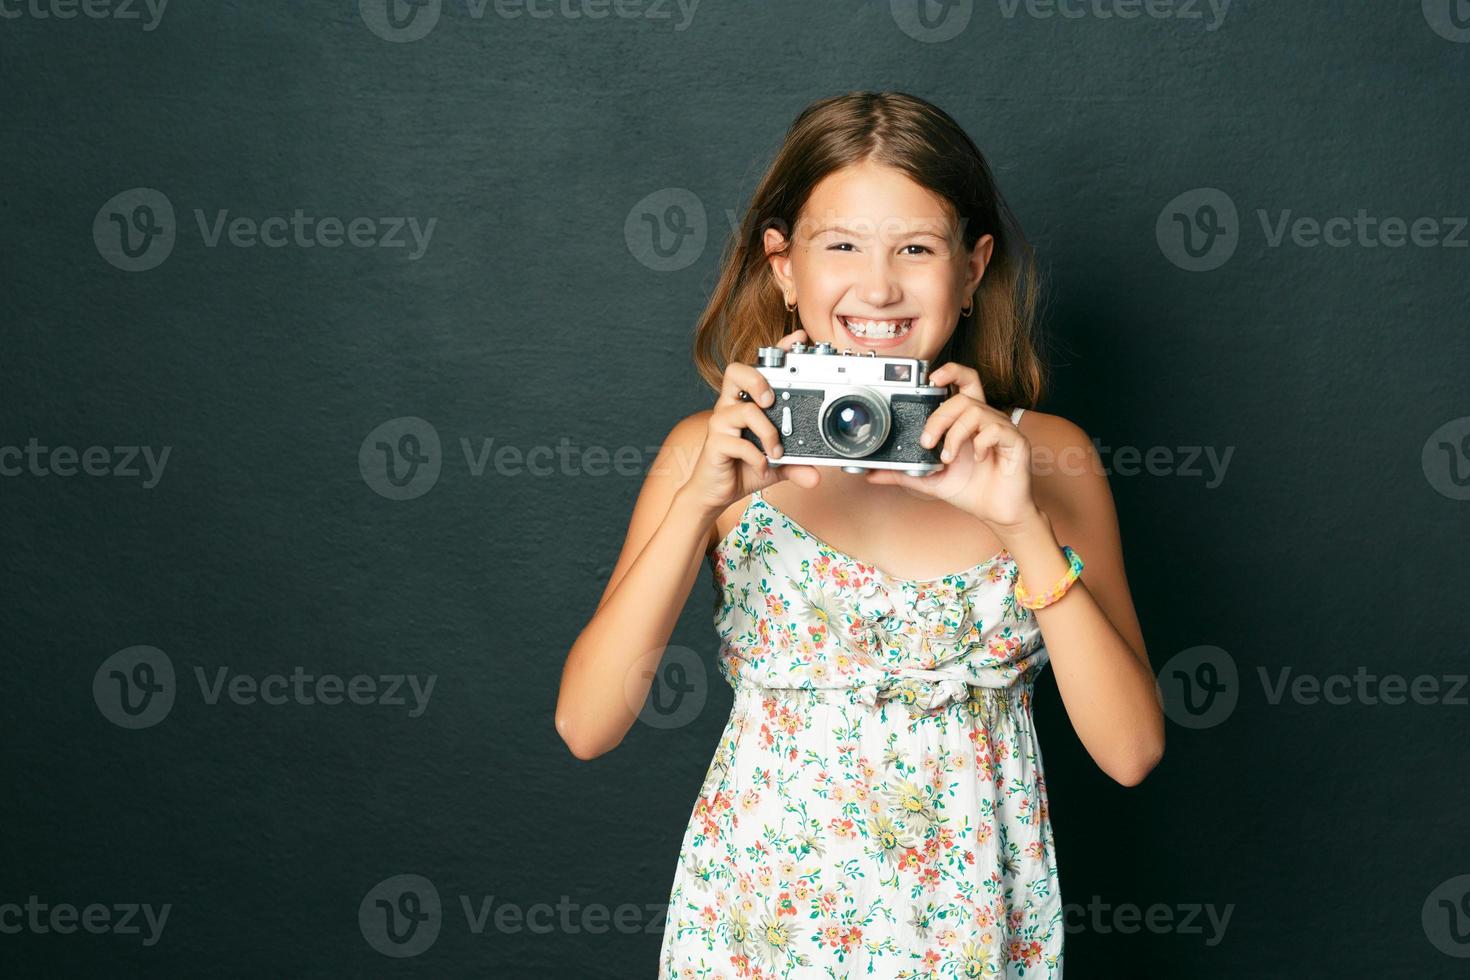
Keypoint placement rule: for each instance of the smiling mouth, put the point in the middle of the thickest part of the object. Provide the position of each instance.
(877, 329)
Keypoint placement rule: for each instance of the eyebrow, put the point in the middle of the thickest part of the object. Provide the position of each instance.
(839, 229)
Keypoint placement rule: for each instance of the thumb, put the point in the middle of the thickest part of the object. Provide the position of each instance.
(805, 477)
(923, 486)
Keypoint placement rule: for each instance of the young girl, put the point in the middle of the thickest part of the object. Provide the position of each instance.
(876, 805)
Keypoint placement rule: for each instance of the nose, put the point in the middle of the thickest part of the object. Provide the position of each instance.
(880, 285)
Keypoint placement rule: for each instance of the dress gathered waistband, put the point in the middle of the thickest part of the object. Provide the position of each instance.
(919, 694)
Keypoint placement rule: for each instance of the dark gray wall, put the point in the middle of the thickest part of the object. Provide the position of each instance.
(1333, 835)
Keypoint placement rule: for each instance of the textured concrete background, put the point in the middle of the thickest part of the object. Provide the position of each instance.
(1334, 376)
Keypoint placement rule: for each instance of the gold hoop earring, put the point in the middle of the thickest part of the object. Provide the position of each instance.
(968, 309)
(790, 307)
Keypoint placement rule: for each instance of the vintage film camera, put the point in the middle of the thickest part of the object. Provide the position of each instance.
(857, 411)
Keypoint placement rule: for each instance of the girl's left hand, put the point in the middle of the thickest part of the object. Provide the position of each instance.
(987, 472)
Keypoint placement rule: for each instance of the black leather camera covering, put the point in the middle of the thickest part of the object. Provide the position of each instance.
(909, 411)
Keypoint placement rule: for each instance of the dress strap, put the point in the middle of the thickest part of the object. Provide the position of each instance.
(1016, 415)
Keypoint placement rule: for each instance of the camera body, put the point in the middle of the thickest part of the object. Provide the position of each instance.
(857, 411)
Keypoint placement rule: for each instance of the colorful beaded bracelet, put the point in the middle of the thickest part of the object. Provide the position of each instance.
(1074, 569)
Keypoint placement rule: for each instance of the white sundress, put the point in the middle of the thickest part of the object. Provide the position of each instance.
(876, 805)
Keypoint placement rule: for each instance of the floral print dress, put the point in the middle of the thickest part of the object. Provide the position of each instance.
(876, 805)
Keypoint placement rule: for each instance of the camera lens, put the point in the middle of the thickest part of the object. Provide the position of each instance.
(852, 424)
(855, 424)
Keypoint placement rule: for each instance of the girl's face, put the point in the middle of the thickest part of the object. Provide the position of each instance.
(878, 263)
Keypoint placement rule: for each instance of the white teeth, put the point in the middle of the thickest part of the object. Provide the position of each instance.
(877, 328)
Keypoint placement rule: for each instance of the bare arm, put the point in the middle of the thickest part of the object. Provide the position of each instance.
(1092, 634)
(611, 665)
(703, 467)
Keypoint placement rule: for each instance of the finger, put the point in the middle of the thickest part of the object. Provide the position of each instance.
(964, 377)
(796, 335)
(747, 415)
(803, 476)
(734, 447)
(739, 377)
(993, 436)
(964, 428)
(922, 484)
(943, 417)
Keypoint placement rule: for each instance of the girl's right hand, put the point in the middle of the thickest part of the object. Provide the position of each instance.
(729, 466)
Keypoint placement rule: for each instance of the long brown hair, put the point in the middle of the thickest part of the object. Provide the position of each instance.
(747, 309)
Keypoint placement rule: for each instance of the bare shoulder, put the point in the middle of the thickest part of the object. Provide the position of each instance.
(675, 461)
(691, 428)
(682, 445)
(1069, 483)
(1067, 474)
